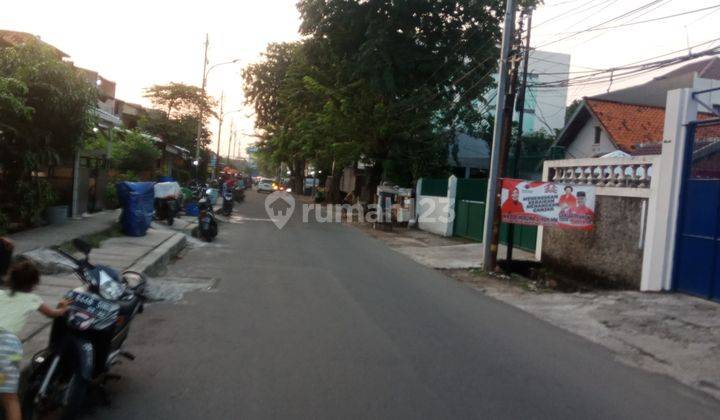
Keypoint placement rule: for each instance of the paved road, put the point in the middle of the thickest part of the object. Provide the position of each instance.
(320, 321)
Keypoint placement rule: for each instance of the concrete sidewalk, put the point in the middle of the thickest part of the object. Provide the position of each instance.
(147, 254)
(436, 251)
(53, 235)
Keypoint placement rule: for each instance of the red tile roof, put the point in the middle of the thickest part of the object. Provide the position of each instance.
(634, 128)
(629, 125)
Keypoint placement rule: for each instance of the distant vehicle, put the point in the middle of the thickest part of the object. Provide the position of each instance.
(266, 185)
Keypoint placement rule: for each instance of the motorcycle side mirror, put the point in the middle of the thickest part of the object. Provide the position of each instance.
(82, 246)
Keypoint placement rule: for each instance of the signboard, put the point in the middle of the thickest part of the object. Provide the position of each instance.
(547, 204)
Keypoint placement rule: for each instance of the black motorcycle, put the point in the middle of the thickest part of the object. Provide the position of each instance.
(166, 209)
(239, 191)
(86, 342)
(228, 201)
(207, 225)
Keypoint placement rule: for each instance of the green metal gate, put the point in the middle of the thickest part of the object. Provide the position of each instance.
(470, 208)
(470, 216)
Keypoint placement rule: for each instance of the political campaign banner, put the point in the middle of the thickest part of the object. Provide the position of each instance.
(547, 204)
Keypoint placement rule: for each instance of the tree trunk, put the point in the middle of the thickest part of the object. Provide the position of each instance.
(333, 189)
(297, 176)
(373, 176)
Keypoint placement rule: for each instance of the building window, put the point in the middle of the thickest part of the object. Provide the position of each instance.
(598, 132)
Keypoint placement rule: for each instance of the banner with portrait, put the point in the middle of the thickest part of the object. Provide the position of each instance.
(547, 204)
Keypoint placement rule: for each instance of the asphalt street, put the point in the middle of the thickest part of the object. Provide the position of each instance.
(319, 321)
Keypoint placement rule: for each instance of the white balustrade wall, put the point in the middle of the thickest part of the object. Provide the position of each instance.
(613, 176)
(635, 178)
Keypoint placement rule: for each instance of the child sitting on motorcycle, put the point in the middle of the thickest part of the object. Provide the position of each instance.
(17, 302)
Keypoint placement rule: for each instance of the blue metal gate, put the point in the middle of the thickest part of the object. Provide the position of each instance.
(697, 256)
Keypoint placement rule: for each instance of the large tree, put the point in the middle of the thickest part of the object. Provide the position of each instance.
(383, 81)
(45, 114)
(175, 118)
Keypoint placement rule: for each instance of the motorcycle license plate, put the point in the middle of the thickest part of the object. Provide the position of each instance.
(88, 310)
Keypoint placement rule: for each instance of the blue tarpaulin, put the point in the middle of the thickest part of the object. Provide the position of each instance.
(138, 204)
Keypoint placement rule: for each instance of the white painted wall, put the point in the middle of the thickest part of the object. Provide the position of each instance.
(584, 144)
(432, 215)
(437, 214)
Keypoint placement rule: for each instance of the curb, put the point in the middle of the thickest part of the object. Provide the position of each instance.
(156, 260)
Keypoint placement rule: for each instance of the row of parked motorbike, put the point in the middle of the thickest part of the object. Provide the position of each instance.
(203, 197)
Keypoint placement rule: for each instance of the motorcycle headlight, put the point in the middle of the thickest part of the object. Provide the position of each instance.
(109, 288)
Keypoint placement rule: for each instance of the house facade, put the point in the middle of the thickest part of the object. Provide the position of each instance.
(631, 120)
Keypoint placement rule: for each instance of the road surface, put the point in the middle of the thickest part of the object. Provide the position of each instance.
(319, 321)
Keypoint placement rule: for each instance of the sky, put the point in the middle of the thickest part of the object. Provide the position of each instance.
(140, 43)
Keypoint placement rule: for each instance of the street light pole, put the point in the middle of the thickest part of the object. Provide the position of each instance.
(200, 111)
(206, 72)
(220, 124)
(232, 138)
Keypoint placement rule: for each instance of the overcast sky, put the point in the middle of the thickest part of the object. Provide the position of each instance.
(140, 43)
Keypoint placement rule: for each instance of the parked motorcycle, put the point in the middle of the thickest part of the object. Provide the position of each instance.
(207, 225)
(167, 200)
(228, 202)
(166, 209)
(86, 342)
(239, 192)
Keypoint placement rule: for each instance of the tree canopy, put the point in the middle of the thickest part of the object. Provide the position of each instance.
(179, 99)
(45, 114)
(380, 81)
(175, 118)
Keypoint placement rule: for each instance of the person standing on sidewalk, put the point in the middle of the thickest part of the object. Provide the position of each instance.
(16, 303)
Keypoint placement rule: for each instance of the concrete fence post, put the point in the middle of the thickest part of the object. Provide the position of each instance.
(659, 252)
(451, 194)
(418, 190)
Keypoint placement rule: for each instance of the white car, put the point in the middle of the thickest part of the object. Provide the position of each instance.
(265, 184)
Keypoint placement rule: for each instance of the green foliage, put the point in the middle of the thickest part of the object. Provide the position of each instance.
(179, 99)
(383, 81)
(40, 195)
(176, 119)
(570, 110)
(135, 152)
(179, 131)
(537, 143)
(45, 114)
(111, 198)
(182, 176)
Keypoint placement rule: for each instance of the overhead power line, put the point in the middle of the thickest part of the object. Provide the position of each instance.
(626, 14)
(622, 25)
(622, 72)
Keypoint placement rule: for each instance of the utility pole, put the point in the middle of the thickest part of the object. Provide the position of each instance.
(200, 111)
(232, 136)
(491, 202)
(520, 107)
(217, 149)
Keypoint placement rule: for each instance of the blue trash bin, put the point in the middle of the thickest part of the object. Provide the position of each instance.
(138, 205)
(192, 209)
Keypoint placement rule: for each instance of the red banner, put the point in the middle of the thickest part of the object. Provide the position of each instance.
(547, 204)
